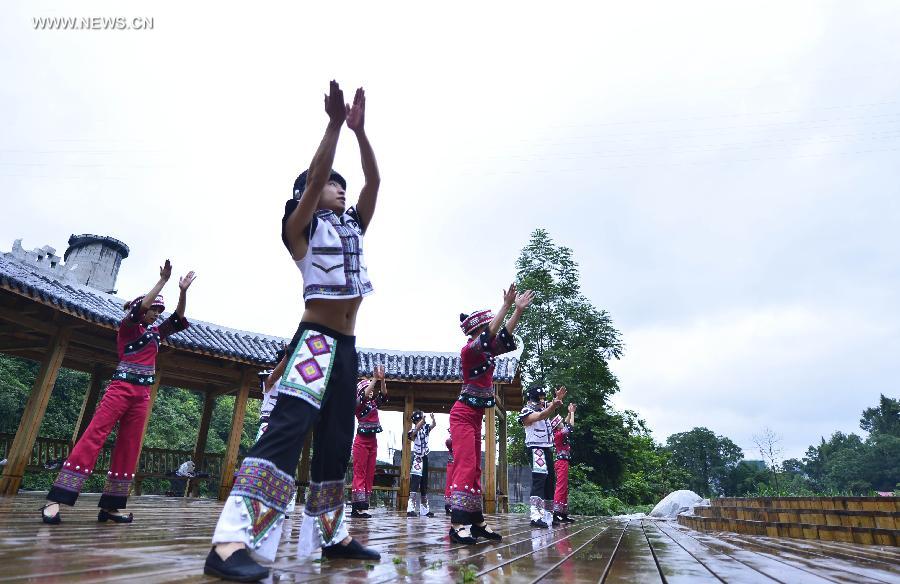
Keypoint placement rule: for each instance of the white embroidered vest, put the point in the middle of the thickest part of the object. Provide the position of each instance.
(539, 434)
(334, 266)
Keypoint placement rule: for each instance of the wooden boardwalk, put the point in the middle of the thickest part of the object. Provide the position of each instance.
(170, 539)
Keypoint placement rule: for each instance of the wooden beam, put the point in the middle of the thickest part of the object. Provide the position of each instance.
(406, 454)
(234, 438)
(20, 451)
(503, 470)
(89, 404)
(489, 484)
(209, 404)
(37, 324)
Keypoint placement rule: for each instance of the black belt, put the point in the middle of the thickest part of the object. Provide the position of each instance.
(134, 378)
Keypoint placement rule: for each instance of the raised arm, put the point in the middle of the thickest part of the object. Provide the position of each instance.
(509, 296)
(522, 302)
(356, 118)
(183, 284)
(276, 374)
(570, 419)
(165, 272)
(318, 175)
(542, 415)
(379, 375)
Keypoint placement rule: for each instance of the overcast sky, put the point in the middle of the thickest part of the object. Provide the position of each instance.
(726, 174)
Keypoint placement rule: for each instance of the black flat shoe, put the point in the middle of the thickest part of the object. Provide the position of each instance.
(429, 514)
(412, 514)
(539, 523)
(239, 567)
(455, 537)
(482, 531)
(359, 515)
(567, 519)
(50, 520)
(105, 516)
(352, 551)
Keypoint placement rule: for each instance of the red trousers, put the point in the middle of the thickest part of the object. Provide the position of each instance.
(561, 496)
(465, 490)
(447, 492)
(364, 453)
(127, 404)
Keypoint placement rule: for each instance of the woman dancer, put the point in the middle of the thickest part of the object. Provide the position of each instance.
(318, 388)
(365, 444)
(561, 441)
(487, 339)
(126, 401)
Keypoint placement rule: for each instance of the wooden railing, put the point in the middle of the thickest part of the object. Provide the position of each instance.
(157, 462)
(153, 462)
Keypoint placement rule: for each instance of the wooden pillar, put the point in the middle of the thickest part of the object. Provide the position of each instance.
(23, 443)
(406, 454)
(209, 403)
(303, 469)
(234, 438)
(489, 484)
(154, 389)
(503, 463)
(90, 403)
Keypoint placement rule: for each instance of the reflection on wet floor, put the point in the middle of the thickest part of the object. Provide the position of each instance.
(170, 539)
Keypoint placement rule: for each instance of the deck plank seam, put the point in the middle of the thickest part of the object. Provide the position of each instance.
(745, 564)
(768, 558)
(612, 556)
(762, 544)
(553, 541)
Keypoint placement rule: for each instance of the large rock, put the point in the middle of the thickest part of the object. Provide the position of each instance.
(677, 502)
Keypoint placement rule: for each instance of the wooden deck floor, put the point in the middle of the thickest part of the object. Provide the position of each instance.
(170, 538)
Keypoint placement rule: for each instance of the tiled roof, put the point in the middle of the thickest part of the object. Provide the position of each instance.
(214, 339)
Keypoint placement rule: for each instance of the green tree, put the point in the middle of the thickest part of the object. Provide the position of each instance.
(708, 459)
(883, 418)
(567, 341)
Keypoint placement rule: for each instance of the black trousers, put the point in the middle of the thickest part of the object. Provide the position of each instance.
(292, 417)
(420, 483)
(543, 484)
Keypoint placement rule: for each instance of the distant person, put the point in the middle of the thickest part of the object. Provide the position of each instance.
(561, 441)
(535, 416)
(318, 388)
(371, 394)
(184, 473)
(488, 337)
(449, 444)
(417, 505)
(126, 401)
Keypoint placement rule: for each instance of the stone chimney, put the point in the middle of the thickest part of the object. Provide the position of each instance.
(94, 260)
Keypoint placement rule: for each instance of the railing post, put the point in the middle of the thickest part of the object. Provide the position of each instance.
(406, 454)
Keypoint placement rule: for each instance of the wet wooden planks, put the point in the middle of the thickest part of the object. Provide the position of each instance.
(170, 539)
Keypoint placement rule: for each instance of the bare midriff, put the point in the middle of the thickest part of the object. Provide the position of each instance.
(338, 315)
